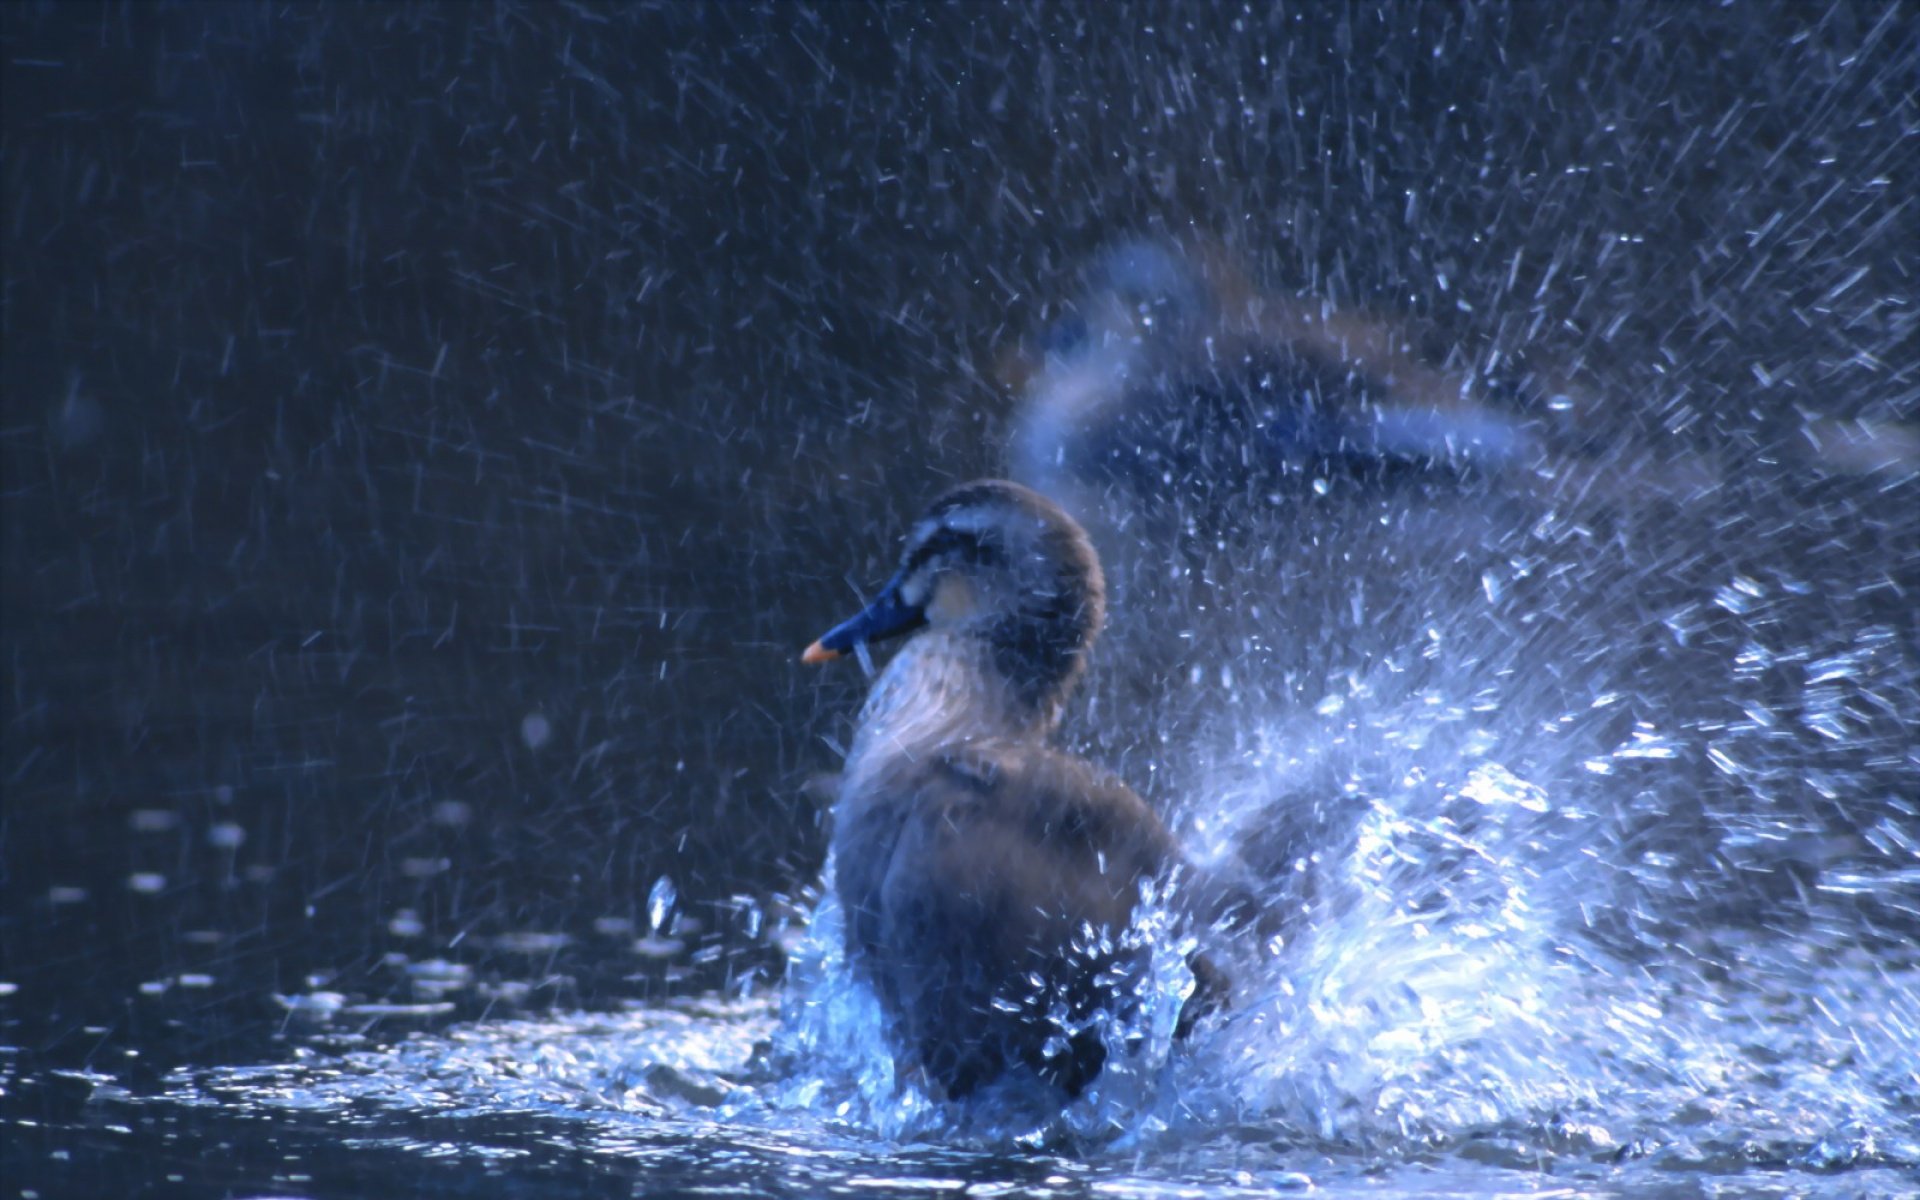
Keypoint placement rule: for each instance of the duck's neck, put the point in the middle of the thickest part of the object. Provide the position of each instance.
(944, 687)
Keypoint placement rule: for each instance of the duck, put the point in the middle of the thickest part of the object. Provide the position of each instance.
(987, 876)
(1172, 374)
(1296, 488)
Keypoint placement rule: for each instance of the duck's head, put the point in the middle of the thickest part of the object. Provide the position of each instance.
(999, 564)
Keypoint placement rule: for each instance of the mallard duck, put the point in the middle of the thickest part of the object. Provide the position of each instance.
(987, 876)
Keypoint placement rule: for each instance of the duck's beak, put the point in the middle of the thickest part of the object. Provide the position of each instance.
(888, 616)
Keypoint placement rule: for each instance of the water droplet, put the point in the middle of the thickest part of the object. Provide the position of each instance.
(535, 729)
(751, 917)
(660, 902)
(226, 835)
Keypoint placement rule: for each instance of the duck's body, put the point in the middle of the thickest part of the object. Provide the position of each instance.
(987, 876)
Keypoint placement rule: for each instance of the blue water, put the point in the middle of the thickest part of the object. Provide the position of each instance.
(1451, 1024)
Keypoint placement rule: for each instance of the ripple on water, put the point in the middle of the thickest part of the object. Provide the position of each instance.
(1448, 1011)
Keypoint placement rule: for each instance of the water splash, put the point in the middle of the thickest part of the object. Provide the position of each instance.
(1450, 994)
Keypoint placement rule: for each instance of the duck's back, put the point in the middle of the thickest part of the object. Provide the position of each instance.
(985, 885)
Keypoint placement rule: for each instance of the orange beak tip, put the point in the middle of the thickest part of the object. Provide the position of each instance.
(816, 654)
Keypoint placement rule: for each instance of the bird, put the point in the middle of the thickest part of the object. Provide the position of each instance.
(1292, 485)
(988, 877)
(1172, 375)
